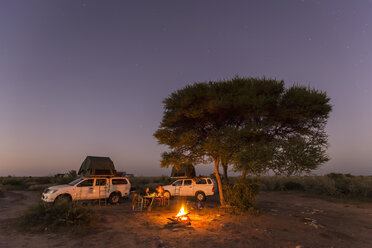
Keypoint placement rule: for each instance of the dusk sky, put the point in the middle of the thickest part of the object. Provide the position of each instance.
(82, 78)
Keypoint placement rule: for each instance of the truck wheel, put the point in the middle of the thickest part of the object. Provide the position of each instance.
(200, 196)
(114, 198)
(167, 194)
(62, 199)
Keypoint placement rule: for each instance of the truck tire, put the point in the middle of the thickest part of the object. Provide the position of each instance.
(200, 196)
(114, 198)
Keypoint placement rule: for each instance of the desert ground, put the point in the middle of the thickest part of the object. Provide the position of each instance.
(286, 219)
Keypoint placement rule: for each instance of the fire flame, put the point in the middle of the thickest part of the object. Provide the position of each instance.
(182, 215)
(181, 212)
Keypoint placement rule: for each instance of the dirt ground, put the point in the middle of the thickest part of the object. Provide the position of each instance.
(287, 219)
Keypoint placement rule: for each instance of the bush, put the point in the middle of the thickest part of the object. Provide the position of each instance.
(45, 216)
(242, 194)
(291, 185)
(139, 184)
(2, 190)
(63, 180)
(14, 183)
(337, 185)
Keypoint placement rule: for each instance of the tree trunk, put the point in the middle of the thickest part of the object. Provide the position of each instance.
(244, 174)
(222, 199)
(225, 178)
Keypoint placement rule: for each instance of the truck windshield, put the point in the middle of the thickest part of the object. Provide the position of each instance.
(75, 181)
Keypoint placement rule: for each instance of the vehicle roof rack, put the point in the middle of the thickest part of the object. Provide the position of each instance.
(103, 176)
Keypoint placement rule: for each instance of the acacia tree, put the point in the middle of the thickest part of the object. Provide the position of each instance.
(251, 123)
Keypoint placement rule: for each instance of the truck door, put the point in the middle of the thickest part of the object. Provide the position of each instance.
(101, 188)
(85, 190)
(187, 189)
(177, 185)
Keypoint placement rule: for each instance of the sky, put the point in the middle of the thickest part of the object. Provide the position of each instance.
(82, 78)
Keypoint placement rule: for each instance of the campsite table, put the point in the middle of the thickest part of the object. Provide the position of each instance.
(150, 200)
(162, 200)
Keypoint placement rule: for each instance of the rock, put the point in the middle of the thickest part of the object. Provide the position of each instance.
(300, 246)
(312, 222)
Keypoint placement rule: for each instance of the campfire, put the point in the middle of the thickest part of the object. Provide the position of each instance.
(181, 219)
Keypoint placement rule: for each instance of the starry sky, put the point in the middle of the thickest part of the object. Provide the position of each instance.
(82, 78)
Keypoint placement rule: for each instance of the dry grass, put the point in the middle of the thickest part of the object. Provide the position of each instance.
(343, 186)
(2, 190)
(31, 183)
(45, 216)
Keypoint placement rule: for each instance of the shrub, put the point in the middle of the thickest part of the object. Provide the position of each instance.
(14, 183)
(242, 194)
(2, 190)
(44, 216)
(139, 184)
(291, 185)
(63, 180)
(319, 185)
(337, 185)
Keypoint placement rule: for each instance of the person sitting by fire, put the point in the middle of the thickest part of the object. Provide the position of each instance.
(160, 191)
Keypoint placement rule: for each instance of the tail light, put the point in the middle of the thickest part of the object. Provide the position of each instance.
(213, 189)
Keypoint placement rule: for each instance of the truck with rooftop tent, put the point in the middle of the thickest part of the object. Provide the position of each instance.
(98, 180)
(89, 188)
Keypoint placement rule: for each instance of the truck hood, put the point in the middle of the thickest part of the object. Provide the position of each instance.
(59, 186)
(167, 186)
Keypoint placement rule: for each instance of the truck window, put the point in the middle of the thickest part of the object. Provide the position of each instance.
(177, 183)
(86, 183)
(210, 181)
(187, 182)
(119, 181)
(100, 182)
(202, 181)
(76, 181)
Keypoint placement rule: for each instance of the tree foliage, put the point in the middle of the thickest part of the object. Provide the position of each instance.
(254, 124)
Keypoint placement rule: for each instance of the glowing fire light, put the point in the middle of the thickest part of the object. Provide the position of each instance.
(182, 214)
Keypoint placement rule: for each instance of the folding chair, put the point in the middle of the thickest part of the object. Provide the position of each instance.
(137, 202)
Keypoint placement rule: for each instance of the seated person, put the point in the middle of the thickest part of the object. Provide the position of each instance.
(160, 191)
(147, 193)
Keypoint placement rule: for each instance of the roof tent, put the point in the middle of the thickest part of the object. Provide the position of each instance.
(183, 170)
(97, 166)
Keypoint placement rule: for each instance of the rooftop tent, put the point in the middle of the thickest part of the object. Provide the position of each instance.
(97, 166)
(183, 170)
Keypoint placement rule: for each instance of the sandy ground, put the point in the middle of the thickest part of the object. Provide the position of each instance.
(287, 219)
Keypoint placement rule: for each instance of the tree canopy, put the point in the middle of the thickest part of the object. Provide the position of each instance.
(254, 124)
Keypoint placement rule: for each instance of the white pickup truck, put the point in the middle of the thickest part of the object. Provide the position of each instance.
(198, 187)
(90, 188)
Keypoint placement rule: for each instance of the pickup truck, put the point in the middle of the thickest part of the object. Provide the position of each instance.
(198, 187)
(90, 188)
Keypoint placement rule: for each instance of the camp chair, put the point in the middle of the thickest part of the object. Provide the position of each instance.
(137, 202)
(148, 201)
